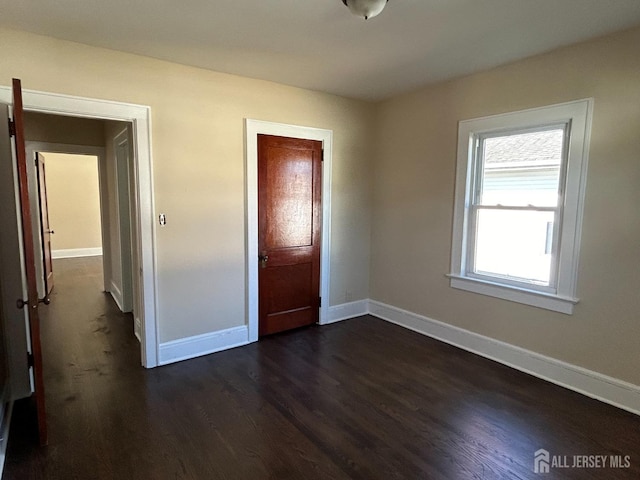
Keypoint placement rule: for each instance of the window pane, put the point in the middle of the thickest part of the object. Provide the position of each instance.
(522, 169)
(514, 244)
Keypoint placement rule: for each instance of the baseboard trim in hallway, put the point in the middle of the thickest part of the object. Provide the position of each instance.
(76, 252)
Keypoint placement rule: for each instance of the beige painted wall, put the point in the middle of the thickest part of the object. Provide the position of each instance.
(414, 191)
(44, 127)
(198, 167)
(73, 198)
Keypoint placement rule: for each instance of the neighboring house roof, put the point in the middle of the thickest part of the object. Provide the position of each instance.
(534, 149)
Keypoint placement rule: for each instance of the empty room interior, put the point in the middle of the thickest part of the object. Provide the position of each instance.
(323, 239)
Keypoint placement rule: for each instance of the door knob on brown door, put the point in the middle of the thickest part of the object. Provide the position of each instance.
(20, 303)
(264, 258)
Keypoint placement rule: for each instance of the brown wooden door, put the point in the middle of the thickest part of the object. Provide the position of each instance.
(46, 231)
(289, 226)
(29, 259)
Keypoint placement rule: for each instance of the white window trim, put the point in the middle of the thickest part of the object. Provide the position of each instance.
(579, 114)
(474, 205)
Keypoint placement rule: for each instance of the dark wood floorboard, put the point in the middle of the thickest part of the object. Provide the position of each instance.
(360, 399)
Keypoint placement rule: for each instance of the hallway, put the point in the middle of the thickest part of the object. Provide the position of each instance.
(88, 349)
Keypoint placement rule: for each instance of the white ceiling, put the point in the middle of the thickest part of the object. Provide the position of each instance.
(318, 44)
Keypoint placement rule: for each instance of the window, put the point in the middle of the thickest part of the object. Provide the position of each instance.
(519, 193)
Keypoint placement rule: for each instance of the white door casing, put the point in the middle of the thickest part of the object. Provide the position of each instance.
(140, 118)
(253, 128)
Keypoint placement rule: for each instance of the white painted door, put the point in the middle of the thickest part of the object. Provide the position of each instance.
(122, 150)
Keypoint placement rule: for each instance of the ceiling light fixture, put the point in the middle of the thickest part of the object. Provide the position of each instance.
(365, 8)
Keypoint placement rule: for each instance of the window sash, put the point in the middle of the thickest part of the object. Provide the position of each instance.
(479, 139)
(475, 205)
(507, 279)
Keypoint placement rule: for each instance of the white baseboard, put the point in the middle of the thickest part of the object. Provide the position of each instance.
(116, 293)
(345, 311)
(76, 252)
(4, 432)
(191, 347)
(592, 384)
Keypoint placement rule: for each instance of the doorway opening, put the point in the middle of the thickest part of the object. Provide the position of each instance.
(138, 118)
(254, 128)
(20, 252)
(82, 199)
(68, 223)
(289, 227)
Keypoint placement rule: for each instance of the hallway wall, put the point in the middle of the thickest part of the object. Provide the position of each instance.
(44, 127)
(73, 198)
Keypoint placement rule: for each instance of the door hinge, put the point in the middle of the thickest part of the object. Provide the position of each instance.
(12, 128)
(29, 359)
(322, 156)
(319, 302)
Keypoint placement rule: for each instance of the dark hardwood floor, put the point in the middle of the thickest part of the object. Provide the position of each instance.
(359, 399)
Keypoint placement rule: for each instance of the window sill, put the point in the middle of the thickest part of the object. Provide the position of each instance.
(556, 303)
